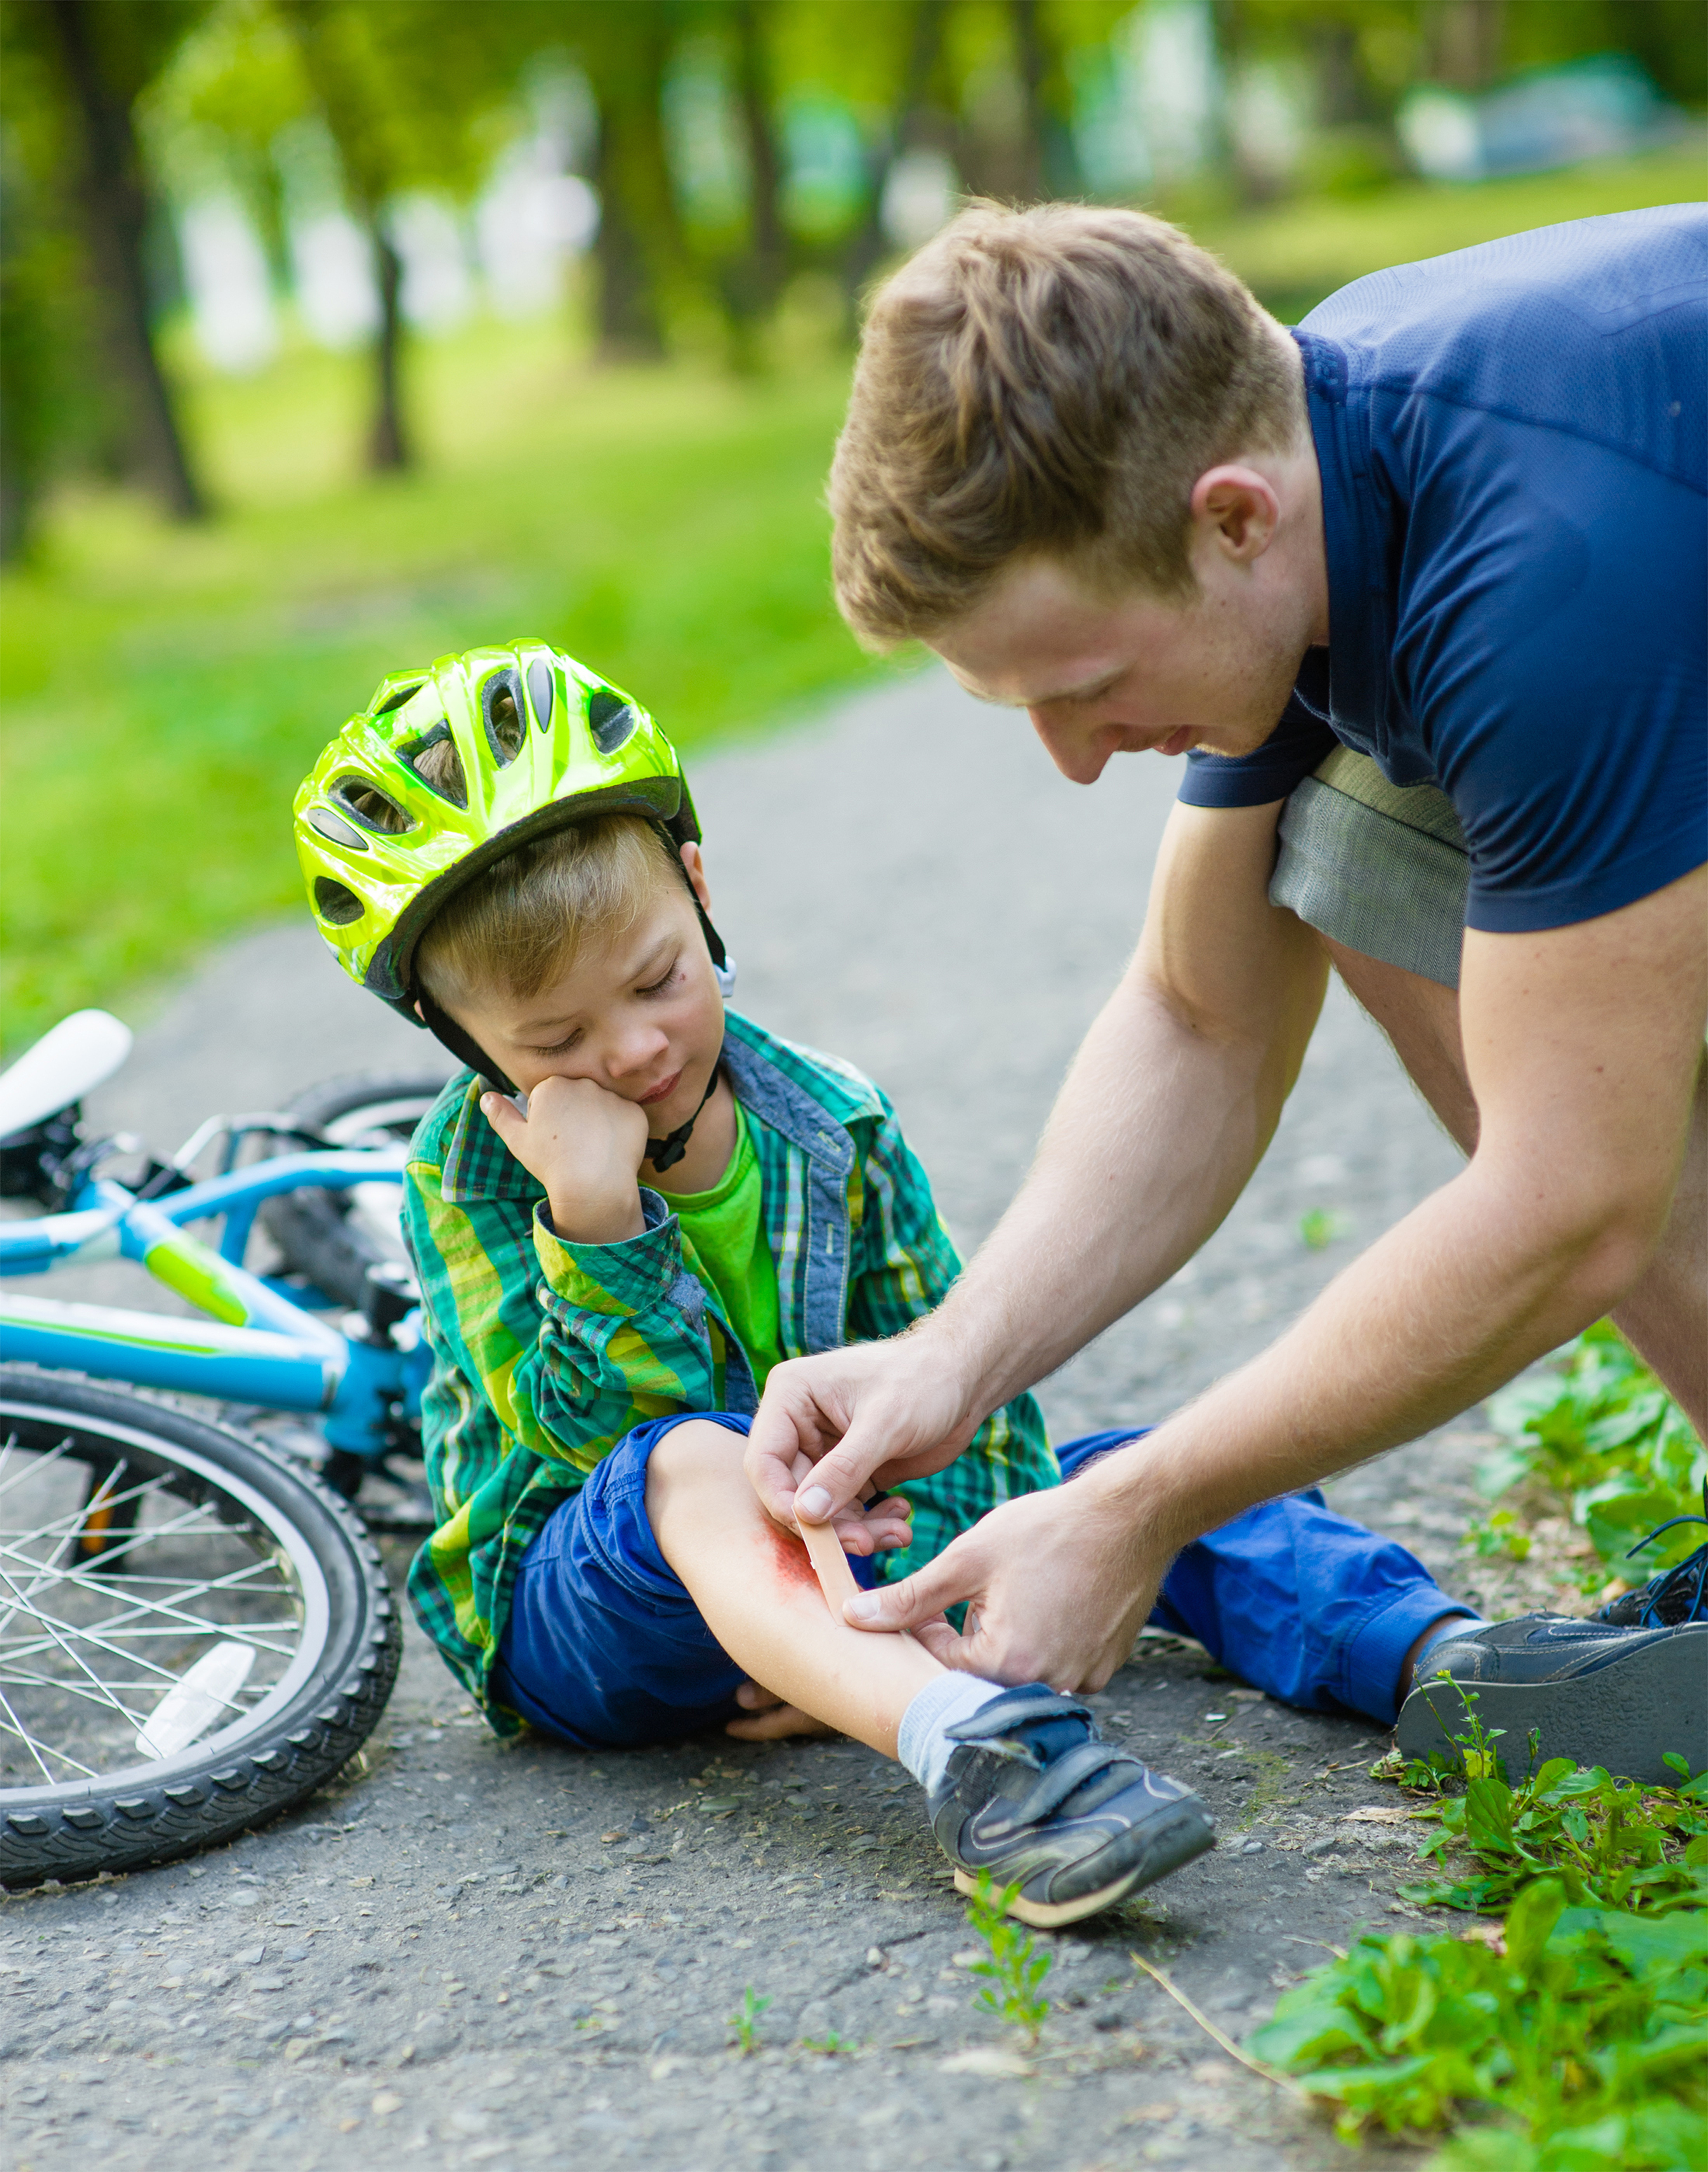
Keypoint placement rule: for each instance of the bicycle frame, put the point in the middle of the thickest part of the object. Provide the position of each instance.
(254, 1344)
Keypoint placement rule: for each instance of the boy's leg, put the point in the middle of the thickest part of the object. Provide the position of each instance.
(756, 1591)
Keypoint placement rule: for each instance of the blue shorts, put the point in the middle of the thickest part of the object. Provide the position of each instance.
(604, 1649)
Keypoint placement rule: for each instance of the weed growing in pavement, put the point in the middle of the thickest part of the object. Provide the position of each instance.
(1014, 1974)
(746, 2018)
(1581, 2029)
(1580, 2022)
(1603, 1431)
(1320, 1227)
(830, 2045)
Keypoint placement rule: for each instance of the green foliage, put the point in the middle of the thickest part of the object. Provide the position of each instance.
(1498, 1535)
(1582, 2030)
(1014, 1974)
(1610, 1843)
(1319, 1226)
(830, 2045)
(664, 525)
(746, 2018)
(1604, 1432)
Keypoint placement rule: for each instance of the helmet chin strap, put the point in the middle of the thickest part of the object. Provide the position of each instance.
(665, 1154)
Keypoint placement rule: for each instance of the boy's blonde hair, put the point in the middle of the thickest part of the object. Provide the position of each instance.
(525, 922)
(1051, 381)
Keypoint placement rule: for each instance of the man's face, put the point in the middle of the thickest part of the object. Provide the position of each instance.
(643, 1017)
(1130, 674)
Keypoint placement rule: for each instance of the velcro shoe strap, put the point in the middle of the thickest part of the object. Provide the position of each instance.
(1057, 1782)
(1003, 1714)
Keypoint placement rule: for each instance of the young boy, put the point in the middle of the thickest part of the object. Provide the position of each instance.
(629, 1206)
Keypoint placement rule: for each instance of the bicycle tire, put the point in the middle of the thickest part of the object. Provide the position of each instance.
(331, 1688)
(317, 1234)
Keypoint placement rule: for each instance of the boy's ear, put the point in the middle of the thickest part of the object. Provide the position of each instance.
(694, 861)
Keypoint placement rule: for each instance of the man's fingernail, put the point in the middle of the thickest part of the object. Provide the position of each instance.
(814, 1504)
(865, 1608)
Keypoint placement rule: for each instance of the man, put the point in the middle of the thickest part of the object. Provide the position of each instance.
(1451, 534)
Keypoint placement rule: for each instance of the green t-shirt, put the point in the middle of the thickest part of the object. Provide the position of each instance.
(726, 1227)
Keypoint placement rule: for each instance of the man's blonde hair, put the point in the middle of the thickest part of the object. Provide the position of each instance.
(1049, 382)
(524, 922)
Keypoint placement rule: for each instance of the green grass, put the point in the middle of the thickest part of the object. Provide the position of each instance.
(166, 689)
(163, 691)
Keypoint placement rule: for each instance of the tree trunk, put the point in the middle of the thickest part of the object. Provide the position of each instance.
(637, 234)
(865, 250)
(389, 447)
(753, 283)
(117, 209)
(353, 129)
(1054, 161)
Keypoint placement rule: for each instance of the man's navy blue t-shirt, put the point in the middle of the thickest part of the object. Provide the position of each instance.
(1511, 442)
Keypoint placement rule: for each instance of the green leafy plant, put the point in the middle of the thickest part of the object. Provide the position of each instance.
(1603, 1431)
(1498, 1535)
(746, 2018)
(1014, 1974)
(829, 2045)
(1582, 2029)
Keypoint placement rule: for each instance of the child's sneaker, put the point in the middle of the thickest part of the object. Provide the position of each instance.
(1038, 1799)
(1593, 1691)
(1676, 1595)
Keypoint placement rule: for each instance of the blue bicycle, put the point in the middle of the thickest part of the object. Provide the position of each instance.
(196, 1630)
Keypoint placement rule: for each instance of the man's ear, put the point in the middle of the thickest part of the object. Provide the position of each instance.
(694, 864)
(1237, 511)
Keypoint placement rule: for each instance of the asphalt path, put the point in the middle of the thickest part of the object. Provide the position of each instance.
(481, 1955)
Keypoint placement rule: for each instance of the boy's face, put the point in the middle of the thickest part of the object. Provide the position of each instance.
(643, 1018)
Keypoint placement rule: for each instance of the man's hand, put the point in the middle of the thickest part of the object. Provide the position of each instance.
(586, 1148)
(1057, 1584)
(828, 1425)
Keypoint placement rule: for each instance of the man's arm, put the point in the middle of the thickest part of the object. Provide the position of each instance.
(1583, 1046)
(1166, 1111)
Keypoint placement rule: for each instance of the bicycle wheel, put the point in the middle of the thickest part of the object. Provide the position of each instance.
(194, 1635)
(333, 1237)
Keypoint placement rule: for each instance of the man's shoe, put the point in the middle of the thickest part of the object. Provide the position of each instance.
(1037, 1797)
(1676, 1595)
(1593, 1691)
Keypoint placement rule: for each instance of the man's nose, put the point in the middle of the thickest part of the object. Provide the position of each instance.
(1078, 750)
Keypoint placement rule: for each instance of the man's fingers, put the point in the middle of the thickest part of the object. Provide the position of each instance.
(842, 1475)
(918, 1599)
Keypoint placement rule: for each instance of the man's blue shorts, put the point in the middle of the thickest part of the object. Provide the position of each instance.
(605, 1648)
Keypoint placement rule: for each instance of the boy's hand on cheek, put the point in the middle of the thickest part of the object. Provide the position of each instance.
(585, 1146)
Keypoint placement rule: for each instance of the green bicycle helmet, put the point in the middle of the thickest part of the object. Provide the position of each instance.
(445, 771)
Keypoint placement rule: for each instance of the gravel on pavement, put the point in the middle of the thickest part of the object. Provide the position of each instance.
(465, 1952)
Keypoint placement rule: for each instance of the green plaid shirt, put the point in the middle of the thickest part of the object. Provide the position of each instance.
(547, 1352)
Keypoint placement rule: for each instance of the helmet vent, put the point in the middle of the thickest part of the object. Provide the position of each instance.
(436, 761)
(335, 829)
(541, 686)
(371, 807)
(610, 719)
(335, 904)
(501, 703)
(396, 699)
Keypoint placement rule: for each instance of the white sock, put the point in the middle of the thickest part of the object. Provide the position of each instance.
(921, 1744)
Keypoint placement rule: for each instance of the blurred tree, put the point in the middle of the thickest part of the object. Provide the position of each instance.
(103, 54)
(625, 51)
(753, 282)
(915, 29)
(350, 86)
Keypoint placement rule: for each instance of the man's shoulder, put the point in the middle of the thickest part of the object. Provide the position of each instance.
(1594, 328)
